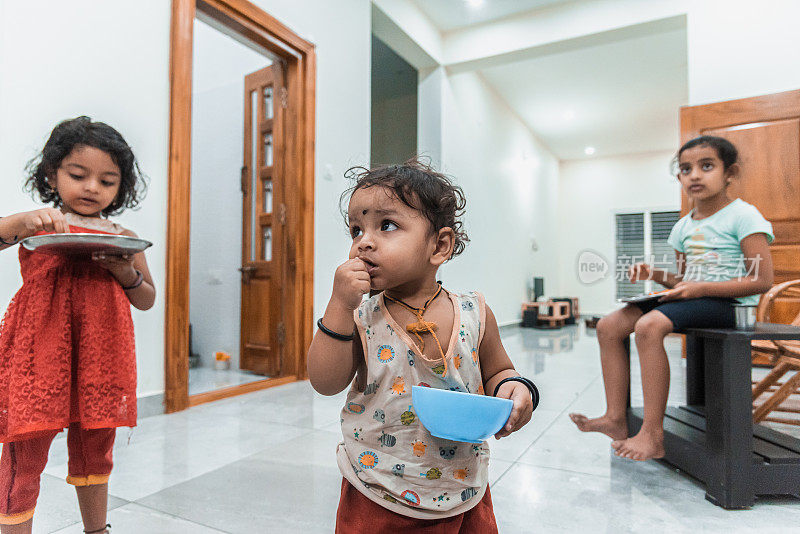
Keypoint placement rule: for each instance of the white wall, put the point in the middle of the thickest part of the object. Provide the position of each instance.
(218, 70)
(738, 49)
(404, 27)
(108, 60)
(430, 99)
(590, 193)
(511, 184)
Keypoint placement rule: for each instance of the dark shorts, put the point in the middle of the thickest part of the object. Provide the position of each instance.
(705, 312)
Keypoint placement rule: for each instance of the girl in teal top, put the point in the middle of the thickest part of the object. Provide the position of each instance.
(712, 247)
(722, 249)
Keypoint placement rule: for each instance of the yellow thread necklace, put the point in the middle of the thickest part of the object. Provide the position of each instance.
(422, 326)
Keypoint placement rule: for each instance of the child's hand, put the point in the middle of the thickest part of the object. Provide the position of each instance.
(45, 220)
(685, 290)
(522, 410)
(121, 267)
(640, 271)
(350, 283)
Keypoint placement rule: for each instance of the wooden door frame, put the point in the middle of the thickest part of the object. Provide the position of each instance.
(246, 20)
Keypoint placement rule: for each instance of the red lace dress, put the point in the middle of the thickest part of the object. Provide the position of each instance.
(66, 349)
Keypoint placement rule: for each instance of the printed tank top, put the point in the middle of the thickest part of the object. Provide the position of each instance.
(386, 453)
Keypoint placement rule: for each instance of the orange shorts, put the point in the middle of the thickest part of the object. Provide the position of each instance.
(22, 463)
(358, 514)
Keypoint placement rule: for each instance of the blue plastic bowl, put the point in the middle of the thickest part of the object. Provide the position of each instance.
(460, 416)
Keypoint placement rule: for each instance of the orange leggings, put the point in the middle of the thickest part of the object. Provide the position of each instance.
(22, 463)
(359, 515)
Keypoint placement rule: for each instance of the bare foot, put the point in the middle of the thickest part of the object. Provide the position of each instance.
(641, 447)
(614, 428)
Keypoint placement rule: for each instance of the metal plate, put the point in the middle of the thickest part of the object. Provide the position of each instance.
(116, 245)
(645, 297)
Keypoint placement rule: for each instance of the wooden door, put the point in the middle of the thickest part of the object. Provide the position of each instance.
(766, 130)
(264, 217)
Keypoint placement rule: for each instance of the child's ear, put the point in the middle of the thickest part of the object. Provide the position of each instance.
(51, 177)
(731, 173)
(445, 241)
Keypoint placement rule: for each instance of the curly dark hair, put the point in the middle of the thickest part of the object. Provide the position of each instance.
(419, 186)
(79, 131)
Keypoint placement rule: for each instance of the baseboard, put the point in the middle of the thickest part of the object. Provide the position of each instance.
(150, 405)
(508, 325)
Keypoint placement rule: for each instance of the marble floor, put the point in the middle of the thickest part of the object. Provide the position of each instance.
(204, 379)
(264, 462)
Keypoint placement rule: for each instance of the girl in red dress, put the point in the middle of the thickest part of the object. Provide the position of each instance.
(67, 356)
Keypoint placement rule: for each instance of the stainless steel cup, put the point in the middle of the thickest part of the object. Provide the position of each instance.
(745, 316)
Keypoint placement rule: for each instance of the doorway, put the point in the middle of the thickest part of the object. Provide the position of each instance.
(239, 291)
(393, 113)
(224, 315)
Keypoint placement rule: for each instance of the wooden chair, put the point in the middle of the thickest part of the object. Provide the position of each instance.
(784, 356)
(764, 351)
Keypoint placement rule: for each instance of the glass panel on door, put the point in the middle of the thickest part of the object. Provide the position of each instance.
(268, 150)
(268, 195)
(267, 244)
(268, 103)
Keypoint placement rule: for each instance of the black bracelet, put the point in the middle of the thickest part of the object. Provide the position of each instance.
(528, 383)
(334, 335)
(136, 283)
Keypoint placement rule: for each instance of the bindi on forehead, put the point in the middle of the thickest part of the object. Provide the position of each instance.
(377, 211)
(380, 202)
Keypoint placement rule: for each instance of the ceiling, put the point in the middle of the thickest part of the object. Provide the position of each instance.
(448, 15)
(620, 97)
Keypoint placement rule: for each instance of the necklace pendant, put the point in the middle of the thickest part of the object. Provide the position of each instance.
(422, 327)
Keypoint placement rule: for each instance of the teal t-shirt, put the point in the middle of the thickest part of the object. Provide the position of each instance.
(713, 245)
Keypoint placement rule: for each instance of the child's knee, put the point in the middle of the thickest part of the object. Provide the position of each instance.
(611, 327)
(652, 328)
